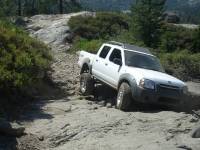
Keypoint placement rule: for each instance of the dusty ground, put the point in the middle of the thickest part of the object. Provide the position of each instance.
(69, 121)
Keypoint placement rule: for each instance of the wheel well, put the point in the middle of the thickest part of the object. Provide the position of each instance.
(122, 81)
(85, 68)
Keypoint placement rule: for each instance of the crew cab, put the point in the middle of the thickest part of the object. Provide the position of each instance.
(133, 71)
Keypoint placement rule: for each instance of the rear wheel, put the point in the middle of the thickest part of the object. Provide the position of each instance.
(124, 97)
(86, 84)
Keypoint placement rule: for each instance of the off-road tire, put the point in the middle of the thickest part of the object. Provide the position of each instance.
(86, 84)
(124, 97)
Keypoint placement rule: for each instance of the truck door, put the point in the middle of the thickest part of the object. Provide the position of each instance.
(113, 67)
(98, 66)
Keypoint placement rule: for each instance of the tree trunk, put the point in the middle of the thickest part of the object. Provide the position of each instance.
(19, 8)
(61, 6)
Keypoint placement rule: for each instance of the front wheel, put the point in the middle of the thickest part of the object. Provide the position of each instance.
(86, 84)
(124, 97)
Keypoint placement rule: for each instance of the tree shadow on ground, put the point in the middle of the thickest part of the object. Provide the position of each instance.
(48, 93)
(7, 142)
(19, 107)
(29, 109)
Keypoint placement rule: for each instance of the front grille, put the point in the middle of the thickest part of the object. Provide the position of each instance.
(168, 100)
(168, 89)
(169, 86)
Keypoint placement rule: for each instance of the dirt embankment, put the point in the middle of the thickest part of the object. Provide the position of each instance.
(65, 120)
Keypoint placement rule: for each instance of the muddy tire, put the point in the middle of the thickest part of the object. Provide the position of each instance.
(124, 97)
(86, 84)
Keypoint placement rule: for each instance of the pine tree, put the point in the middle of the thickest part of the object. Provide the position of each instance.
(147, 17)
(8, 8)
(196, 39)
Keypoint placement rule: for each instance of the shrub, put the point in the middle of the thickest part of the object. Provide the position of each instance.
(181, 64)
(22, 59)
(176, 38)
(88, 45)
(196, 39)
(102, 25)
(126, 37)
(94, 45)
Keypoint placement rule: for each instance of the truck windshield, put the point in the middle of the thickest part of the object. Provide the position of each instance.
(138, 60)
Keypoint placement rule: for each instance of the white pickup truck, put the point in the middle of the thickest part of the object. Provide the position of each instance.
(135, 72)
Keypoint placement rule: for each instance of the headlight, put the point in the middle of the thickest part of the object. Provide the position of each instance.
(148, 84)
(185, 90)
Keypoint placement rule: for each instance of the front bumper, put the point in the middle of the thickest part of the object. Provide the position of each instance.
(161, 96)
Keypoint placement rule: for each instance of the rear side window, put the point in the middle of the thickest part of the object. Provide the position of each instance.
(115, 54)
(104, 51)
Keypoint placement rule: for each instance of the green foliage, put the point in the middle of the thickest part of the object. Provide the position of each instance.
(184, 64)
(8, 8)
(126, 37)
(196, 41)
(22, 59)
(178, 47)
(94, 45)
(103, 25)
(147, 16)
(84, 44)
(176, 38)
(189, 11)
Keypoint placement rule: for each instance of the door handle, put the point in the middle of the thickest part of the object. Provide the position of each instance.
(97, 60)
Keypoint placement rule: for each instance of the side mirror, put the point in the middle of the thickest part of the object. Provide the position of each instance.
(117, 61)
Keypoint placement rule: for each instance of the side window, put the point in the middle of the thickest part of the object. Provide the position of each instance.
(115, 54)
(104, 51)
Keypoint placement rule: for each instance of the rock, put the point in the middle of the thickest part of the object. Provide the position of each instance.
(41, 138)
(193, 120)
(90, 103)
(171, 17)
(196, 133)
(21, 21)
(109, 105)
(71, 93)
(100, 98)
(184, 147)
(95, 108)
(52, 29)
(102, 103)
(11, 130)
(69, 109)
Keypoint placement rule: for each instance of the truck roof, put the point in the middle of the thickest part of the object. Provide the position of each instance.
(131, 47)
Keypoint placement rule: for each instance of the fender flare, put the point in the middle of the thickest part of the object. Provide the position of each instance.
(86, 64)
(131, 81)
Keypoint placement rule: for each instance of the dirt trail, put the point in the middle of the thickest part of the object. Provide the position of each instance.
(69, 121)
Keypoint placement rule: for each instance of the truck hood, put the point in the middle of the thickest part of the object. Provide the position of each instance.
(157, 77)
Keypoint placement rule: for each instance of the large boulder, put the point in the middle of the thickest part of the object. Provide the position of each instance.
(53, 29)
(171, 17)
(196, 133)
